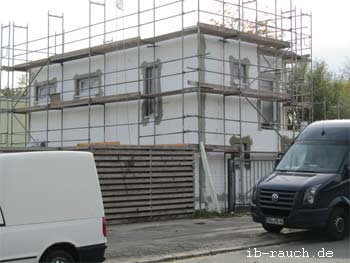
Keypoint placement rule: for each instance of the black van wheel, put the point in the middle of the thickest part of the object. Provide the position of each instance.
(338, 224)
(58, 256)
(272, 228)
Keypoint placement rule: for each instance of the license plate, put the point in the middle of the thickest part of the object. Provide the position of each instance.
(274, 221)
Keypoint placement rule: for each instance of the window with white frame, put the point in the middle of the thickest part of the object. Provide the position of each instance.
(43, 92)
(152, 82)
(88, 86)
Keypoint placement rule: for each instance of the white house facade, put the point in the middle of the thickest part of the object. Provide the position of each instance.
(201, 85)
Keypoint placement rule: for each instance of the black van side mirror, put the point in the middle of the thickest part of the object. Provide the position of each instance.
(277, 161)
(346, 172)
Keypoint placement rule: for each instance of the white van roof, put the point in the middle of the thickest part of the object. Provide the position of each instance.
(39, 187)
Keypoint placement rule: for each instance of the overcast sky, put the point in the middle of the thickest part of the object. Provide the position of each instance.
(331, 36)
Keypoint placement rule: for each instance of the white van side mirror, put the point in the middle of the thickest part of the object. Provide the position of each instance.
(2, 220)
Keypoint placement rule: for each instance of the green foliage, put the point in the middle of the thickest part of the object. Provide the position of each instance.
(231, 19)
(16, 91)
(346, 70)
(331, 92)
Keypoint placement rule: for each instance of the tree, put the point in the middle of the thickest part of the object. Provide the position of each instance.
(331, 93)
(16, 91)
(232, 20)
(346, 69)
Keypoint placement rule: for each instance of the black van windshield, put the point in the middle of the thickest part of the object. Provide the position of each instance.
(316, 158)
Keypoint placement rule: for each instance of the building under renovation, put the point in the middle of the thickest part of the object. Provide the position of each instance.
(219, 77)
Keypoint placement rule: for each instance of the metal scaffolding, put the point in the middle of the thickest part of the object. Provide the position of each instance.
(282, 33)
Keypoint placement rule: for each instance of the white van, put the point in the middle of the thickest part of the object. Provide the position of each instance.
(51, 208)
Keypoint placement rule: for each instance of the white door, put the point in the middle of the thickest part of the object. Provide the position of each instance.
(2, 223)
(15, 245)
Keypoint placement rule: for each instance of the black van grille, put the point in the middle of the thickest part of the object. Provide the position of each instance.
(282, 207)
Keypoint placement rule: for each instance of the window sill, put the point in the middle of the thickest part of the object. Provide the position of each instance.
(269, 127)
(151, 117)
(38, 102)
(78, 97)
(243, 85)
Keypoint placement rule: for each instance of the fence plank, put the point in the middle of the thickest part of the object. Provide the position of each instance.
(141, 184)
(144, 180)
(144, 164)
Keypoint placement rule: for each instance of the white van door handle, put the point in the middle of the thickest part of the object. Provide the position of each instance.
(2, 219)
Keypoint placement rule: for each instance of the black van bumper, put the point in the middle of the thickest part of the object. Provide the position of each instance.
(298, 218)
(95, 253)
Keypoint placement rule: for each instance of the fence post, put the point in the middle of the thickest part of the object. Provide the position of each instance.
(231, 186)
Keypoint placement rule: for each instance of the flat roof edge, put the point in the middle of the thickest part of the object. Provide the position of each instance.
(202, 28)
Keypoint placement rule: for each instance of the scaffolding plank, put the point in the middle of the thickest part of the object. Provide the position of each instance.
(203, 28)
(80, 103)
(244, 36)
(234, 91)
(132, 96)
(287, 55)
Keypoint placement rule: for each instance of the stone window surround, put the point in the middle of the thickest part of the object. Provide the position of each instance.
(38, 84)
(158, 111)
(277, 115)
(77, 77)
(245, 62)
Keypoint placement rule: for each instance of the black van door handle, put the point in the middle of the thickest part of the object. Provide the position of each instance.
(2, 218)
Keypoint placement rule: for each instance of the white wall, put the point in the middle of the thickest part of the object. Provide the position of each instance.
(121, 118)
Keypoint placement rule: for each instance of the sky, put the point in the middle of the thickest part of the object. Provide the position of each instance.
(331, 37)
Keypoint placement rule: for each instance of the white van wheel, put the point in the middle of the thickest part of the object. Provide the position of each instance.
(58, 256)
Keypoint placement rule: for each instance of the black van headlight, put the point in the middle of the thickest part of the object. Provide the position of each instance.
(310, 193)
(254, 195)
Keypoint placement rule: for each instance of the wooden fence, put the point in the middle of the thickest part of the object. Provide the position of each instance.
(140, 183)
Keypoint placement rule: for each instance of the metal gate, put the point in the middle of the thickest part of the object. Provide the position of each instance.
(242, 180)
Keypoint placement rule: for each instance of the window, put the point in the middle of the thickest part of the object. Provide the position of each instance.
(152, 82)
(43, 92)
(240, 71)
(84, 89)
(317, 158)
(268, 108)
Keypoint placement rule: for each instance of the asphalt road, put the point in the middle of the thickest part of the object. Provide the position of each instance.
(313, 248)
(169, 240)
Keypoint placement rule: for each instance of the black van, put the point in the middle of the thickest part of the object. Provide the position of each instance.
(310, 186)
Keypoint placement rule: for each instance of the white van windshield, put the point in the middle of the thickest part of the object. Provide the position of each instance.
(317, 158)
